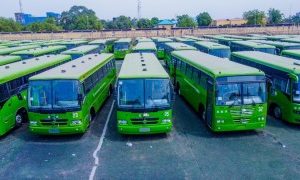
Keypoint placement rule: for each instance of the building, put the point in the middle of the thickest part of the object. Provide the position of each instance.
(26, 19)
(229, 22)
(168, 24)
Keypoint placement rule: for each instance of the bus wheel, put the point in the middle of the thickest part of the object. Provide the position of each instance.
(92, 115)
(20, 118)
(202, 112)
(277, 112)
(110, 91)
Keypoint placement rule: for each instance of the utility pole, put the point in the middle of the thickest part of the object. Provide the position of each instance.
(21, 6)
(139, 7)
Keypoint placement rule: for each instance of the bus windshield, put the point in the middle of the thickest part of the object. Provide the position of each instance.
(267, 50)
(56, 94)
(223, 53)
(145, 51)
(144, 94)
(296, 92)
(241, 93)
(121, 46)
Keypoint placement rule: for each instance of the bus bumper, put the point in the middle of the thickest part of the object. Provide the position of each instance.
(239, 127)
(57, 130)
(157, 129)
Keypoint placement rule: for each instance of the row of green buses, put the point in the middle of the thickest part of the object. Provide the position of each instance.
(280, 46)
(65, 99)
(80, 51)
(213, 48)
(8, 51)
(13, 88)
(185, 40)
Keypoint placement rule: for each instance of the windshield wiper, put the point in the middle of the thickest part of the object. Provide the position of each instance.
(234, 101)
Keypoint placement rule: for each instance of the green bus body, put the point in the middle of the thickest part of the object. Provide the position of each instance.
(13, 87)
(31, 53)
(65, 99)
(2, 47)
(280, 37)
(9, 59)
(295, 54)
(142, 40)
(122, 47)
(213, 48)
(82, 51)
(283, 80)
(145, 47)
(7, 51)
(280, 46)
(252, 46)
(144, 95)
(216, 88)
(245, 37)
(160, 45)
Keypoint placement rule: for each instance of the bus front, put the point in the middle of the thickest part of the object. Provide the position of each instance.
(144, 106)
(55, 107)
(121, 49)
(240, 103)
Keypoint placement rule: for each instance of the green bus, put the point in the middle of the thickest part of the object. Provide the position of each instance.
(13, 88)
(70, 44)
(145, 47)
(292, 40)
(31, 53)
(295, 54)
(103, 48)
(196, 38)
(252, 46)
(9, 59)
(283, 82)
(280, 37)
(213, 48)
(160, 46)
(280, 46)
(122, 47)
(245, 37)
(7, 51)
(2, 47)
(185, 40)
(142, 39)
(144, 96)
(224, 40)
(227, 95)
(110, 44)
(65, 99)
(82, 51)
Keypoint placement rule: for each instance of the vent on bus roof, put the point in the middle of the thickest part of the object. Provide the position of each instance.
(96, 55)
(63, 71)
(144, 69)
(143, 64)
(90, 58)
(48, 56)
(37, 59)
(73, 66)
(297, 64)
(82, 62)
(6, 67)
(23, 62)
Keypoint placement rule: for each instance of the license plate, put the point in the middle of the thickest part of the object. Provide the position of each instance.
(143, 130)
(54, 131)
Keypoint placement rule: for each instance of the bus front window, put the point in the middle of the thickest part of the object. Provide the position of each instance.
(157, 93)
(121, 46)
(223, 53)
(131, 94)
(254, 93)
(268, 50)
(229, 94)
(40, 95)
(65, 94)
(296, 92)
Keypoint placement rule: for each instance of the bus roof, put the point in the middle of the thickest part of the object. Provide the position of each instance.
(253, 44)
(292, 40)
(98, 41)
(180, 46)
(21, 68)
(161, 39)
(211, 45)
(277, 43)
(221, 38)
(72, 42)
(124, 40)
(142, 65)
(215, 66)
(6, 51)
(1, 47)
(8, 59)
(143, 39)
(295, 53)
(181, 39)
(278, 62)
(40, 50)
(81, 49)
(145, 46)
(79, 69)
(245, 37)
(280, 37)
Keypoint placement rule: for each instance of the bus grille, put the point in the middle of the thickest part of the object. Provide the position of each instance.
(138, 121)
(241, 115)
(57, 122)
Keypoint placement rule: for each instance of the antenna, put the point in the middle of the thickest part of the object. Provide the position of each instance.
(21, 6)
(139, 7)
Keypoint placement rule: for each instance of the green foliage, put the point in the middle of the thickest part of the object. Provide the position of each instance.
(121, 22)
(185, 21)
(294, 19)
(144, 23)
(49, 25)
(80, 18)
(9, 25)
(255, 17)
(275, 16)
(154, 21)
(204, 19)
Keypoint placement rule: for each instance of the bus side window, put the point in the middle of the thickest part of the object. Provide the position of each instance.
(178, 64)
(15, 85)
(88, 85)
(195, 75)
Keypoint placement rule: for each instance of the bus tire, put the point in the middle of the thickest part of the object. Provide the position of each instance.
(202, 112)
(92, 114)
(110, 91)
(178, 89)
(277, 113)
(20, 117)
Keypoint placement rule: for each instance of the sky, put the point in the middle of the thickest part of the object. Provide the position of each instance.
(163, 9)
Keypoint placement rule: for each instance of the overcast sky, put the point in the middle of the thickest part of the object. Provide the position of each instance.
(106, 9)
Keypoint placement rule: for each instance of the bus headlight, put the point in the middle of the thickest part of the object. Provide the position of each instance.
(166, 121)
(76, 122)
(33, 123)
(122, 122)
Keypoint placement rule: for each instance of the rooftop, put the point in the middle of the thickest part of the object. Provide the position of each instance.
(124, 40)
(166, 22)
(40, 50)
(81, 49)
(180, 46)
(145, 46)
(211, 45)
(6, 51)
(253, 44)
(8, 59)
(292, 52)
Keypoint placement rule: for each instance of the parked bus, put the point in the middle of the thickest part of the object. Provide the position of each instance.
(196, 38)
(144, 96)
(245, 37)
(82, 51)
(7, 51)
(9, 59)
(185, 40)
(65, 99)
(227, 95)
(122, 47)
(160, 46)
(280, 46)
(145, 47)
(13, 88)
(292, 40)
(252, 46)
(2, 47)
(295, 54)
(280, 37)
(283, 82)
(142, 39)
(102, 45)
(31, 53)
(214, 49)
(73, 43)
(224, 40)
(110, 44)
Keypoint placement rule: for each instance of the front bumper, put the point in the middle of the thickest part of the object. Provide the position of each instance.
(134, 129)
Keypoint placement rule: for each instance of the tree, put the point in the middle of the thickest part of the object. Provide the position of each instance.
(204, 19)
(121, 22)
(49, 25)
(154, 21)
(144, 23)
(294, 19)
(9, 25)
(80, 17)
(275, 16)
(255, 17)
(185, 21)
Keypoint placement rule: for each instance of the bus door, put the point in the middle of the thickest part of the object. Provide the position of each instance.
(209, 102)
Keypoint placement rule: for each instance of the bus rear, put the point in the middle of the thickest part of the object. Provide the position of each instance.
(121, 48)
